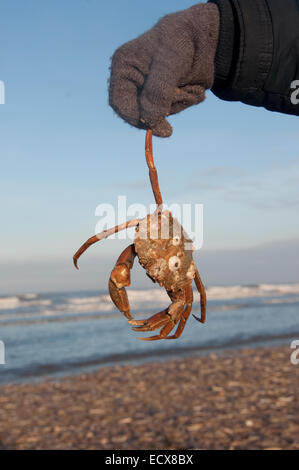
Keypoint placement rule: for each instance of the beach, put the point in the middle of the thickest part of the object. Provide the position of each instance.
(239, 399)
(53, 335)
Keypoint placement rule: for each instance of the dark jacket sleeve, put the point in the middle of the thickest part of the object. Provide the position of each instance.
(257, 58)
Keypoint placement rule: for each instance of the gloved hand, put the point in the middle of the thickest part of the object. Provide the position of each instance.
(165, 70)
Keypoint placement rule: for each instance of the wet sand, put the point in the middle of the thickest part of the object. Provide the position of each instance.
(245, 399)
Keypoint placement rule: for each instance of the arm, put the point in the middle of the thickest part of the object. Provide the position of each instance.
(257, 57)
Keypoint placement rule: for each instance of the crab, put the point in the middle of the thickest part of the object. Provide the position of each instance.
(164, 250)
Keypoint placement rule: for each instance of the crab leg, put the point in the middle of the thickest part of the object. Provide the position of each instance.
(171, 317)
(101, 236)
(203, 297)
(185, 314)
(153, 174)
(120, 278)
(153, 323)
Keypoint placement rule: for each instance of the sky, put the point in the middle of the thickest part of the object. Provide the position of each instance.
(64, 151)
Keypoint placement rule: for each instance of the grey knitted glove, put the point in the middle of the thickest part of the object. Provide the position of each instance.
(165, 70)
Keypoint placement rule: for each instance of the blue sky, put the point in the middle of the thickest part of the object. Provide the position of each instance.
(63, 150)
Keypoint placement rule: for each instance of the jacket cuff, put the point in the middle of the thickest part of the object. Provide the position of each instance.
(226, 54)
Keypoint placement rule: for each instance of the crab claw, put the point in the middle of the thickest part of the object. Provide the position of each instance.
(120, 278)
(120, 299)
(153, 323)
(166, 319)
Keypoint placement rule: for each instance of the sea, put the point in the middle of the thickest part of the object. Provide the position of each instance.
(54, 335)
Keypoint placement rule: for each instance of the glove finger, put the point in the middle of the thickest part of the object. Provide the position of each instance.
(126, 81)
(187, 96)
(157, 95)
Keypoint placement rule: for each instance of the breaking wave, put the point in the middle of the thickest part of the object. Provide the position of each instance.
(33, 306)
(259, 290)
